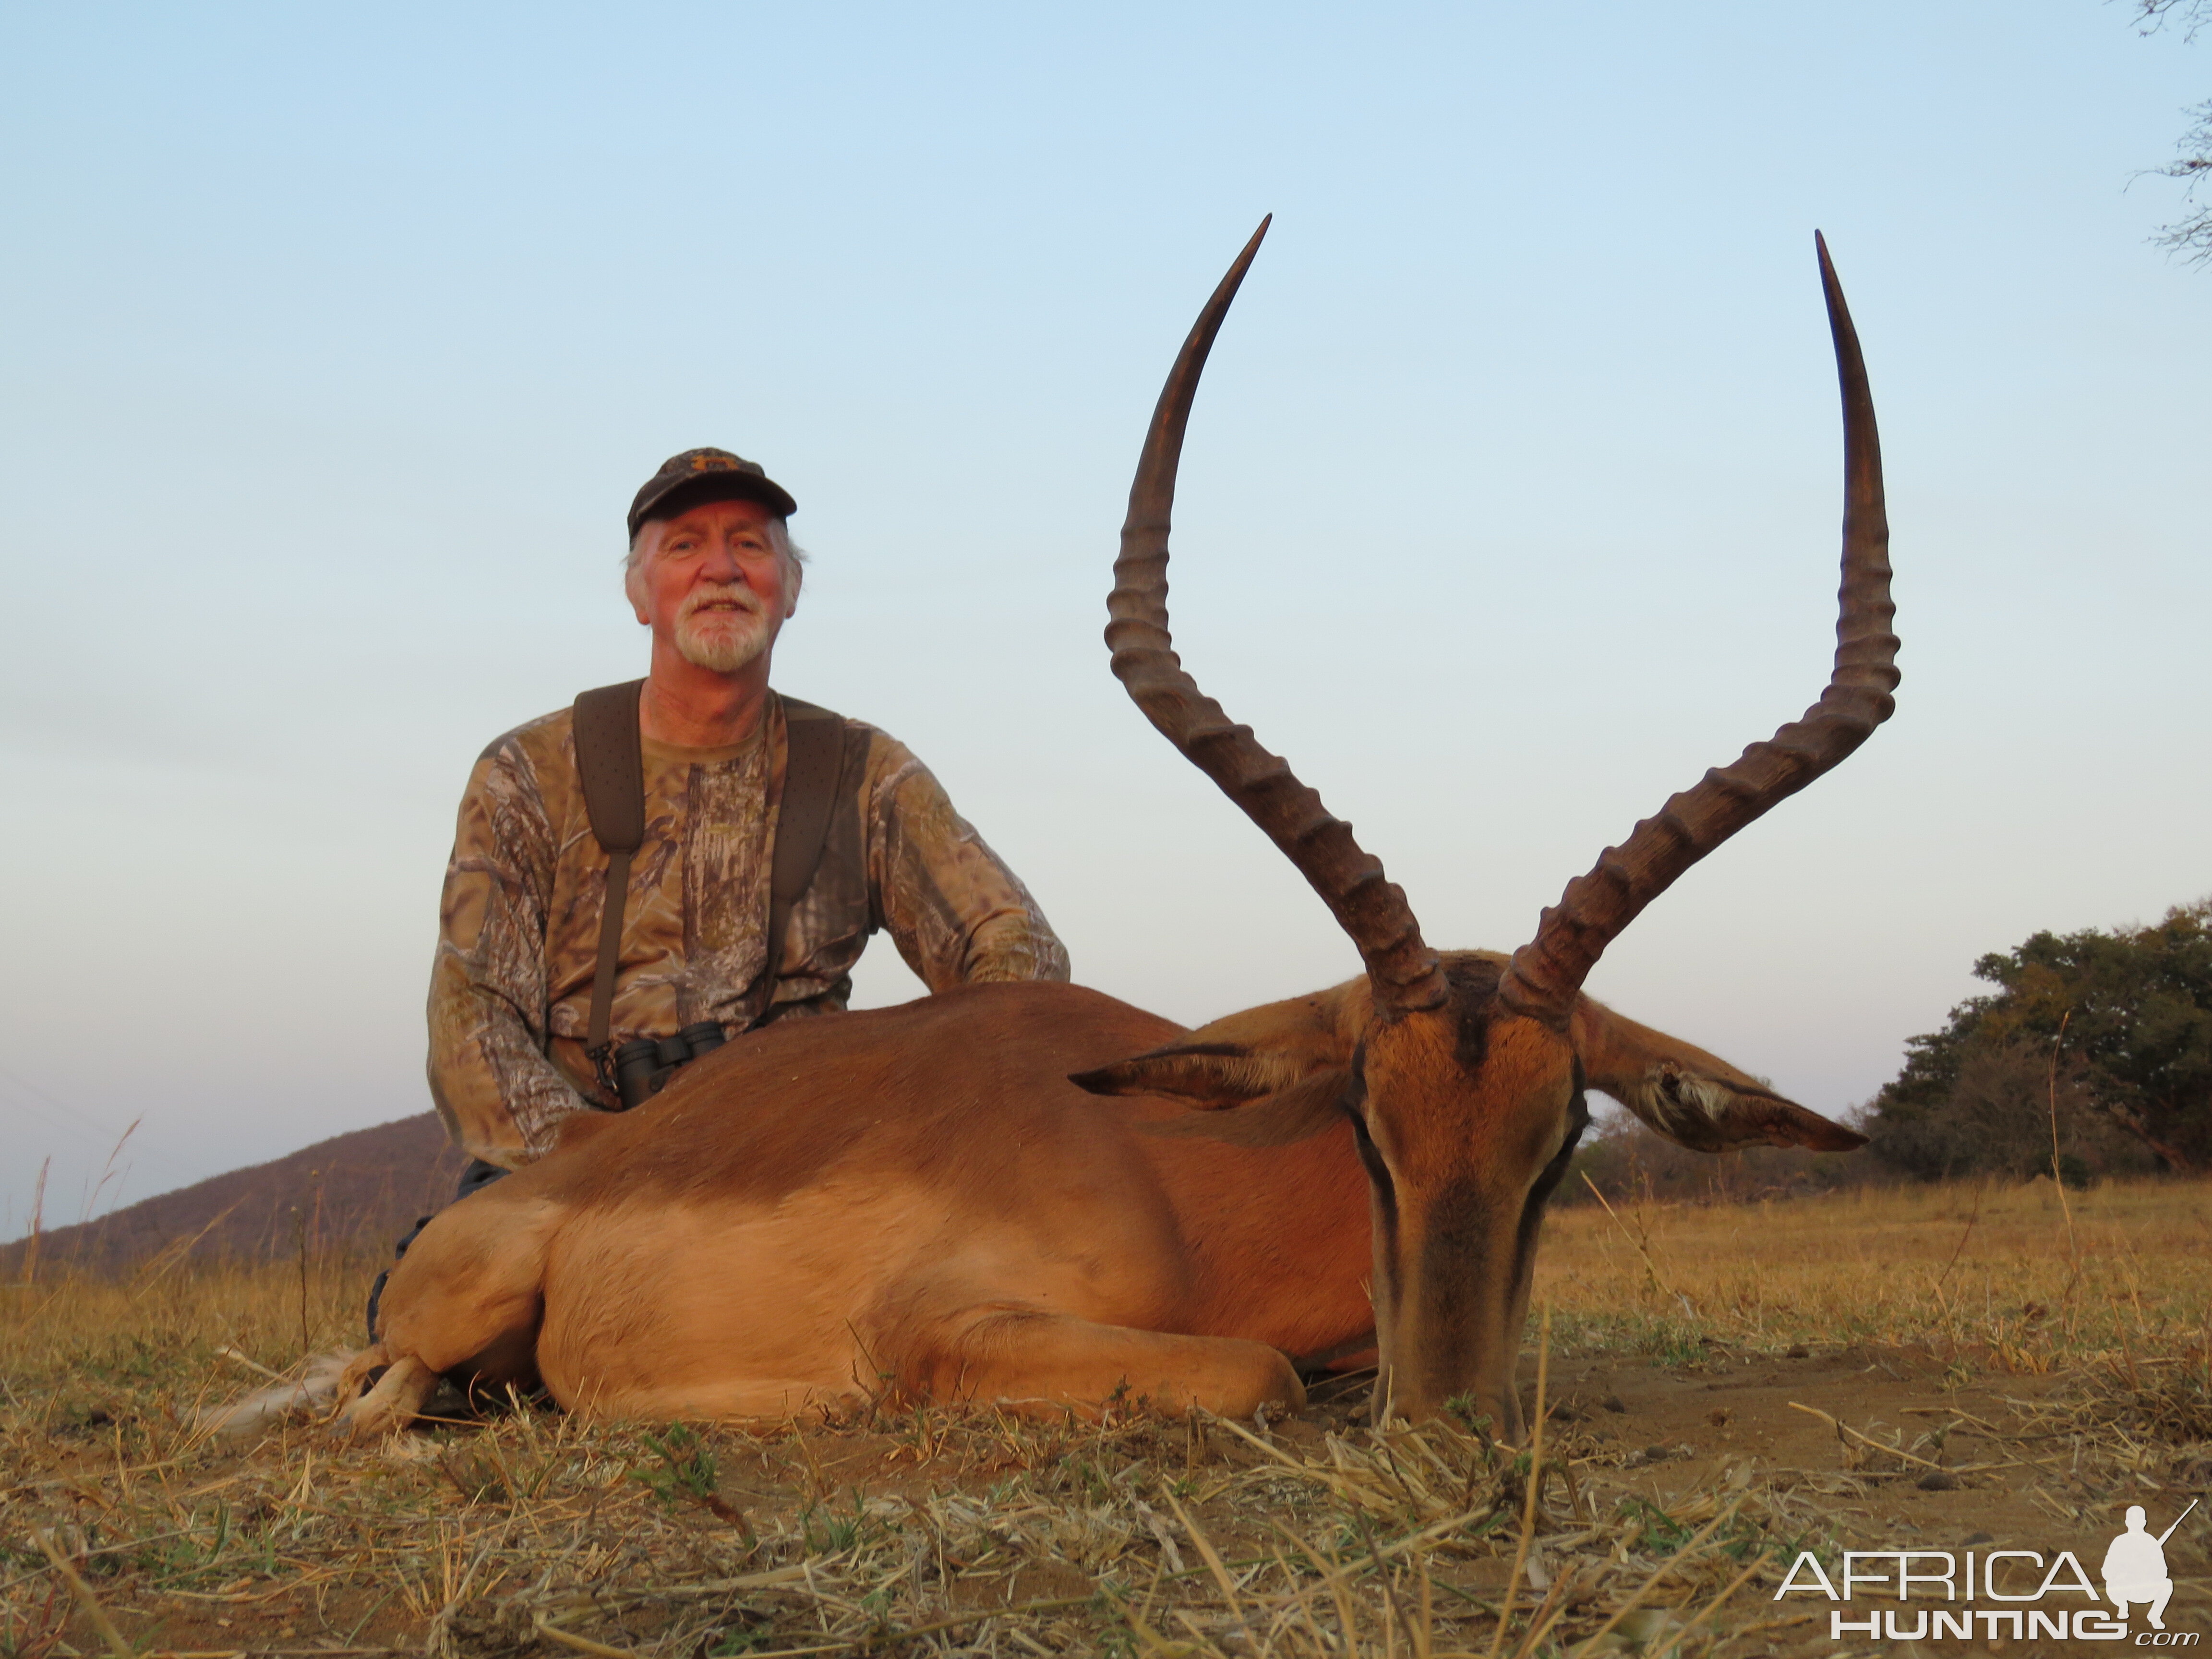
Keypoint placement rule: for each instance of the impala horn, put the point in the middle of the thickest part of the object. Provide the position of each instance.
(1366, 904)
(1546, 974)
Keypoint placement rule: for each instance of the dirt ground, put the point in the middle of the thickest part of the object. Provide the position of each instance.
(1715, 1406)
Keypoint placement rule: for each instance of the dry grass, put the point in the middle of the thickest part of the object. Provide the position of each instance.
(2040, 1359)
(2024, 1277)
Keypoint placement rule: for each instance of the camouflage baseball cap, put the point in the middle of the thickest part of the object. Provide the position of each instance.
(707, 475)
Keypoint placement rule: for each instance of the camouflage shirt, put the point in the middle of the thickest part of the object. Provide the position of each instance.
(518, 933)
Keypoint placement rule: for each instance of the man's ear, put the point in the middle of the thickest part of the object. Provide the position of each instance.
(641, 548)
(1695, 1099)
(1284, 1067)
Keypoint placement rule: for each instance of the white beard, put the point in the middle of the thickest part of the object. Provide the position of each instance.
(722, 641)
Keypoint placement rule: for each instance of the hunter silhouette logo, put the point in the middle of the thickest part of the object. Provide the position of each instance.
(2135, 1567)
(2019, 1583)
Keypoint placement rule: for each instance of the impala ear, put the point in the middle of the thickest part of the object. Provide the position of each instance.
(1240, 1058)
(1267, 1076)
(1297, 1113)
(1244, 1099)
(1211, 1076)
(1695, 1099)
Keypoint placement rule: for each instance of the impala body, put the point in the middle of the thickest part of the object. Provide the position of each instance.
(1036, 1195)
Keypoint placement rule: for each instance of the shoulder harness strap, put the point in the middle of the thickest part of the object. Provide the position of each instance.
(611, 765)
(814, 758)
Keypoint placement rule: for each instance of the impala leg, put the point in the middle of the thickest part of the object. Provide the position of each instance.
(1049, 1363)
(394, 1401)
(466, 1302)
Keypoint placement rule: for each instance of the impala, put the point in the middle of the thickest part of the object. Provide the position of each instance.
(1037, 1196)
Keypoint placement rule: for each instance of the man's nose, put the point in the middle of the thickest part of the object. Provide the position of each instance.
(722, 564)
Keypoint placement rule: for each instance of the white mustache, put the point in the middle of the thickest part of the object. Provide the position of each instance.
(734, 594)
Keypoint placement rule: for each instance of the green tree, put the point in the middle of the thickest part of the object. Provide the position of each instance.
(2193, 162)
(2106, 1031)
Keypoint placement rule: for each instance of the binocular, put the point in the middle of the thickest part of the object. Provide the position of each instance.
(643, 1067)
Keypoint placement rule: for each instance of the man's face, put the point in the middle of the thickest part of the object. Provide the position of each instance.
(716, 583)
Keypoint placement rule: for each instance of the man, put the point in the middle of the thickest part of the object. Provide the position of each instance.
(712, 573)
(2135, 1568)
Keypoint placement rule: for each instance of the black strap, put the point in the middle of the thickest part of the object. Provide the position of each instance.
(611, 765)
(814, 755)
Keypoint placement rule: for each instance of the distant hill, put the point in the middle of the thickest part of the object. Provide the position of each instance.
(359, 1190)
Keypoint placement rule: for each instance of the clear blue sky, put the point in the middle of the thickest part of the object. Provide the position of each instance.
(338, 338)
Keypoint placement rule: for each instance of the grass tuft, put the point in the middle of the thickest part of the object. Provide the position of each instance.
(1727, 1387)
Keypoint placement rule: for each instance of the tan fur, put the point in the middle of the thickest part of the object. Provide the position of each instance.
(393, 1399)
(918, 1203)
(912, 1202)
(1470, 1113)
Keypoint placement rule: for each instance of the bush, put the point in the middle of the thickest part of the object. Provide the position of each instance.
(2106, 1035)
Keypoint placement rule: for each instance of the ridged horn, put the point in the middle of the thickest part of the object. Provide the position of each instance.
(1547, 972)
(1371, 909)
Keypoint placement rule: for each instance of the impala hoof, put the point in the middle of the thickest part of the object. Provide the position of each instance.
(394, 1398)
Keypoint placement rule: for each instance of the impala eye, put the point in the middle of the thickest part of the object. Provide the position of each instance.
(1370, 1155)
